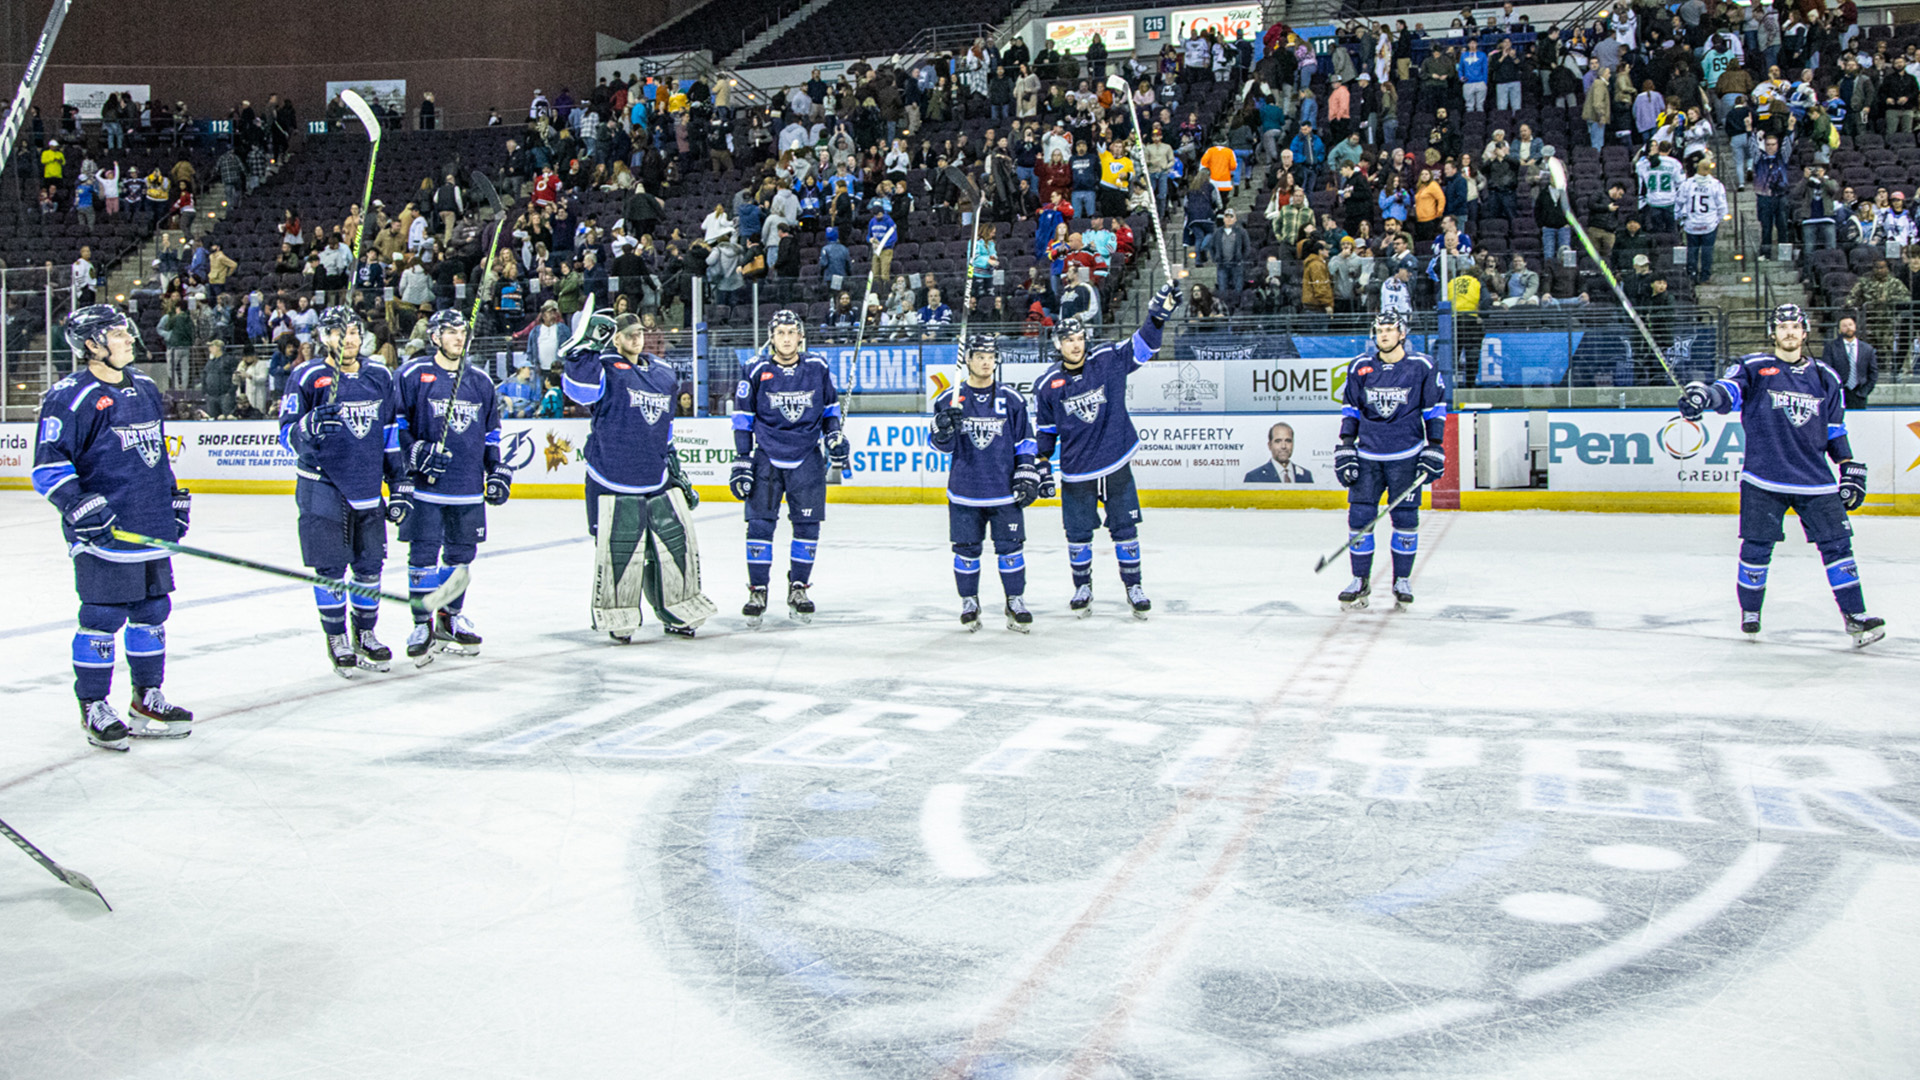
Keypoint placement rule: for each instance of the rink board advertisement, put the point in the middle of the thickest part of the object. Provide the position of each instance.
(1206, 384)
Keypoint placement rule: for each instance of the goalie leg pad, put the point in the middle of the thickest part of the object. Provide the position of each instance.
(672, 579)
(619, 552)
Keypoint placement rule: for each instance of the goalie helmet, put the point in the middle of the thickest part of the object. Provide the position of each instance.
(1788, 313)
(1072, 326)
(92, 323)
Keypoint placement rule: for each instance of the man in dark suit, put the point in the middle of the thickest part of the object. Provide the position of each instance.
(1280, 470)
(1855, 360)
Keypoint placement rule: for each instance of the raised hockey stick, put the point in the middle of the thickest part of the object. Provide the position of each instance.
(1558, 175)
(454, 586)
(487, 192)
(71, 877)
(358, 105)
(1353, 536)
(1119, 86)
(860, 335)
(966, 303)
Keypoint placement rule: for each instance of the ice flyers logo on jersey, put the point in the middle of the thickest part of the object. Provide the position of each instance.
(144, 438)
(652, 406)
(464, 412)
(1386, 400)
(360, 416)
(792, 404)
(1799, 408)
(982, 430)
(1086, 407)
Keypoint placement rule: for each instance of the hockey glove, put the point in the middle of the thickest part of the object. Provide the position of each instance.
(92, 520)
(428, 460)
(1431, 463)
(1164, 301)
(839, 451)
(1026, 485)
(1047, 487)
(499, 486)
(593, 334)
(678, 478)
(1346, 465)
(182, 508)
(321, 422)
(741, 481)
(947, 421)
(1853, 485)
(399, 503)
(1695, 400)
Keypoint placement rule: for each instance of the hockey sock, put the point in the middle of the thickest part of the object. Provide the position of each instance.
(1080, 561)
(422, 580)
(1843, 574)
(331, 602)
(146, 641)
(1754, 557)
(966, 569)
(1013, 570)
(366, 609)
(92, 664)
(1127, 554)
(1405, 544)
(759, 553)
(1361, 557)
(806, 540)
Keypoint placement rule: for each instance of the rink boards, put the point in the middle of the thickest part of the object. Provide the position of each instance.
(1596, 460)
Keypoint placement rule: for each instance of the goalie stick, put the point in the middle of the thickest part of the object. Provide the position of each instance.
(487, 192)
(454, 586)
(74, 878)
(1354, 535)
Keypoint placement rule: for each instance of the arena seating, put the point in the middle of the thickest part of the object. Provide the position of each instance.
(869, 28)
(719, 27)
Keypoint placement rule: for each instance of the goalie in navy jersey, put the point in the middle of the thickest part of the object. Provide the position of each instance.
(340, 420)
(992, 478)
(1393, 427)
(785, 410)
(638, 498)
(101, 460)
(450, 442)
(1790, 406)
(1081, 404)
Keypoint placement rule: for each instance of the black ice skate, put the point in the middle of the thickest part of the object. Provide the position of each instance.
(970, 613)
(340, 651)
(1018, 617)
(1865, 629)
(151, 716)
(755, 609)
(103, 726)
(1137, 600)
(420, 644)
(680, 630)
(1402, 593)
(1355, 596)
(372, 655)
(1750, 623)
(454, 634)
(1082, 603)
(799, 607)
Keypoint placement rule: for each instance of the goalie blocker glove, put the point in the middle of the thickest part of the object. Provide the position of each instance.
(677, 477)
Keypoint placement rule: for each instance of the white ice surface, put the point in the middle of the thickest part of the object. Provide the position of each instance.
(332, 879)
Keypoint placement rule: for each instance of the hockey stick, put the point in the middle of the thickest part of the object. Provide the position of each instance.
(488, 193)
(966, 303)
(71, 877)
(1119, 86)
(359, 107)
(1558, 174)
(860, 335)
(453, 587)
(1353, 536)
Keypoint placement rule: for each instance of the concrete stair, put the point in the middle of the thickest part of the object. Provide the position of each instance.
(770, 34)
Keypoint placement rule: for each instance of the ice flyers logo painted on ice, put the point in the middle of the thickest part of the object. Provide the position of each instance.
(1386, 400)
(464, 413)
(793, 404)
(1086, 407)
(144, 438)
(360, 416)
(651, 406)
(1799, 408)
(982, 430)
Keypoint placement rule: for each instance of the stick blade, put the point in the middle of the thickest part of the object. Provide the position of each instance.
(1322, 564)
(485, 187)
(454, 587)
(363, 112)
(84, 883)
(1117, 84)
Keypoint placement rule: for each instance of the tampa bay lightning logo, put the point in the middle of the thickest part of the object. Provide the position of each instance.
(464, 414)
(1387, 400)
(652, 406)
(360, 416)
(793, 404)
(982, 430)
(143, 439)
(1086, 407)
(1799, 408)
(519, 451)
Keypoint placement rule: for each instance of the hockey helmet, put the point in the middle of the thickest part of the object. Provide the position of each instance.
(1395, 319)
(445, 319)
(786, 317)
(1788, 313)
(983, 343)
(92, 323)
(338, 318)
(1071, 326)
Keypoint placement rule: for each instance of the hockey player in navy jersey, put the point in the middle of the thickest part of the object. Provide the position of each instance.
(633, 475)
(340, 421)
(101, 460)
(1790, 406)
(1081, 403)
(784, 410)
(1393, 426)
(983, 424)
(450, 441)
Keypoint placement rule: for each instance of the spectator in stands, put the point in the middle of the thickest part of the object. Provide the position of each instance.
(82, 277)
(218, 382)
(1309, 156)
(255, 384)
(1316, 283)
(1880, 298)
(1472, 70)
(1856, 361)
(1345, 270)
(1815, 203)
(934, 315)
(1504, 71)
(159, 198)
(220, 266)
(1085, 170)
(1429, 205)
(1602, 218)
(1551, 217)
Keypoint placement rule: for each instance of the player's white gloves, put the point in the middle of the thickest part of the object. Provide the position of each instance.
(593, 334)
(1853, 485)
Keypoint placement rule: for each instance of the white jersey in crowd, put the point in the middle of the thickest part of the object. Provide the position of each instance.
(1702, 204)
(1659, 184)
(1894, 227)
(1395, 297)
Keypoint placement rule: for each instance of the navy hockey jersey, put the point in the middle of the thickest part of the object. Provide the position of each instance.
(995, 435)
(632, 417)
(1794, 421)
(110, 440)
(1393, 409)
(1086, 410)
(785, 409)
(473, 430)
(358, 458)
